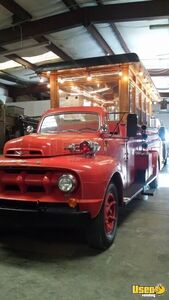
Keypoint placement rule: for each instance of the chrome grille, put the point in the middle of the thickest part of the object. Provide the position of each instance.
(22, 180)
(23, 153)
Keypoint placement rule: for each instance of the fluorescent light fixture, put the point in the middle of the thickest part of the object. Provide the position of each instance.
(159, 26)
(34, 59)
(42, 57)
(8, 65)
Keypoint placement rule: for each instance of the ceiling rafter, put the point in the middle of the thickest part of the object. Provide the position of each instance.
(73, 5)
(89, 62)
(99, 39)
(86, 15)
(19, 13)
(158, 72)
(99, 2)
(21, 61)
(117, 33)
(120, 38)
(8, 77)
(164, 94)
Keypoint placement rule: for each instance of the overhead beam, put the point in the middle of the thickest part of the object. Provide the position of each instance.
(2, 50)
(99, 2)
(158, 72)
(52, 47)
(116, 33)
(8, 77)
(19, 13)
(21, 61)
(86, 15)
(89, 62)
(99, 39)
(164, 94)
(72, 5)
(120, 38)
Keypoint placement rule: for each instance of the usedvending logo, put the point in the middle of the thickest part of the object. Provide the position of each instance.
(149, 291)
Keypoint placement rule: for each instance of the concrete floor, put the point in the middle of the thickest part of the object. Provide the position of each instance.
(37, 265)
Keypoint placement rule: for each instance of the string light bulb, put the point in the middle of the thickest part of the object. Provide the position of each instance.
(125, 77)
(61, 80)
(89, 77)
(41, 79)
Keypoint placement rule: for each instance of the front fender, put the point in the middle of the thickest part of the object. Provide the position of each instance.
(94, 174)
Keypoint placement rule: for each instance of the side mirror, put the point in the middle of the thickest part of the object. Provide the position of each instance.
(104, 128)
(29, 129)
(131, 125)
(143, 127)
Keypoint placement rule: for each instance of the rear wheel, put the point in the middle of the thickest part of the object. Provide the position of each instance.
(102, 229)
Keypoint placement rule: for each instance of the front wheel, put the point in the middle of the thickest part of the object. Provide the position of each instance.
(102, 229)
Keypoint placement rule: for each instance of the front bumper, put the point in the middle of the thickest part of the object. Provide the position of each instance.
(26, 213)
(37, 207)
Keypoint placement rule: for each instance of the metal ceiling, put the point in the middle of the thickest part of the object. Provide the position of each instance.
(77, 29)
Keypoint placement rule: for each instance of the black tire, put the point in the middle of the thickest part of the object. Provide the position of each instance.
(102, 229)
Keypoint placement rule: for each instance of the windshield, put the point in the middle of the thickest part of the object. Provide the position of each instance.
(67, 122)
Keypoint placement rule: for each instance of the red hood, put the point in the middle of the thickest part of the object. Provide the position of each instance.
(38, 145)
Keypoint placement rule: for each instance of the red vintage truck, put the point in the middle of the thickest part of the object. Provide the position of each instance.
(86, 161)
(79, 162)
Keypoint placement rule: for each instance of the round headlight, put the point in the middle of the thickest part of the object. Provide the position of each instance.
(67, 183)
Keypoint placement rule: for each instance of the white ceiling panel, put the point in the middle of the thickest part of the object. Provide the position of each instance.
(161, 82)
(7, 82)
(77, 42)
(46, 57)
(3, 59)
(21, 44)
(28, 48)
(150, 45)
(83, 3)
(43, 8)
(24, 74)
(8, 64)
(5, 17)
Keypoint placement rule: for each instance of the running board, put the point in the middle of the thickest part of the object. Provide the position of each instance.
(135, 189)
(132, 191)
